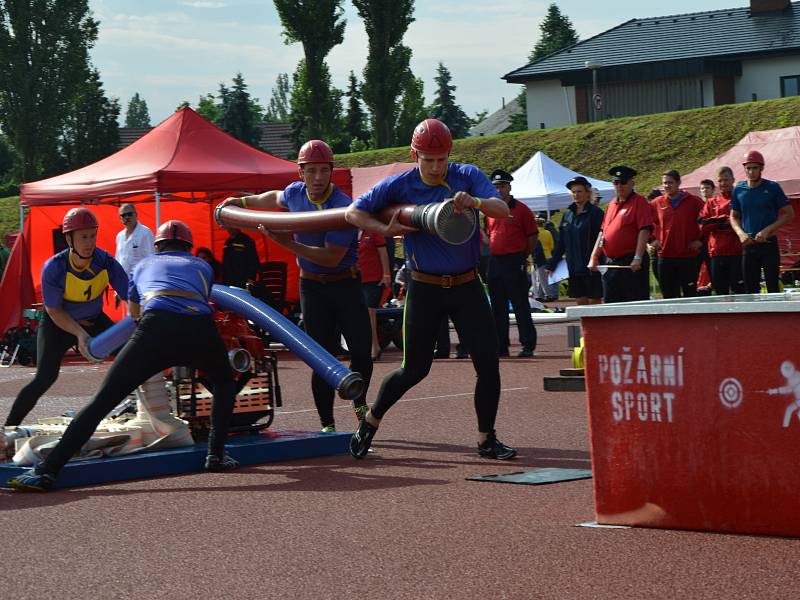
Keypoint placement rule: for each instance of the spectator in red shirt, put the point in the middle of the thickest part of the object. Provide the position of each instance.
(676, 237)
(724, 247)
(376, 278)
(626, 228)
(510, 243)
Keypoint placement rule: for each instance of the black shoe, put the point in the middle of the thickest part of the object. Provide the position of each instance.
(494, 448)
(216, 464)
(502, 353)
(362, 439)
(32, 481)
(441, 355)
(525, 354)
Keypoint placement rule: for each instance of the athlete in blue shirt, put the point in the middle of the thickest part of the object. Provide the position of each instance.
(73, 283)
(330, 285)
(759, 208)
(443, 281)
(169, 298)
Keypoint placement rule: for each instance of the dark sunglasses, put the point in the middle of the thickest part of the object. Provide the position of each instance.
(125, 215)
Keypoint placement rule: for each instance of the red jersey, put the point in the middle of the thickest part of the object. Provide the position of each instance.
(623, 222)
(369, 261)
(510, 236)
(675, 228)
(722, 239)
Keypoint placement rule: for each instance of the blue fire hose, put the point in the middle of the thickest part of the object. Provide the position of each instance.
(112, 338)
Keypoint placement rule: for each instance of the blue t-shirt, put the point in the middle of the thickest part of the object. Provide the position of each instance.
(426, 252)
(295, 198)
(758, 206)
(172, 271)
(80, 291)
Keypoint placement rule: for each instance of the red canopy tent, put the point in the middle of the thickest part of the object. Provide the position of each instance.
(181, 169)
(781, 150)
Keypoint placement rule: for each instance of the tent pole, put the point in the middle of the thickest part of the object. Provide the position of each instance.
(21, 218)
(158, 209)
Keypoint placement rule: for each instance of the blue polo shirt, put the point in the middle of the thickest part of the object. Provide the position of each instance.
(426, 252)
(758, 206)
(80, 291)
(168, 271)
(295, 198)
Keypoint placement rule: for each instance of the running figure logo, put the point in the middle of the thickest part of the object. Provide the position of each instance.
(792, 386)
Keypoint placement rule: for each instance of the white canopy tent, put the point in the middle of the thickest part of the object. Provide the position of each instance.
(539, 183)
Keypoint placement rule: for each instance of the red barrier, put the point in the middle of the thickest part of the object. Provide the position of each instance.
(695, 416)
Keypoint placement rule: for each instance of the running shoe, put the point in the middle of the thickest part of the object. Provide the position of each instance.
(31, 481)
(216, 464)
(494, 448)
(328, 429)
(362, 439)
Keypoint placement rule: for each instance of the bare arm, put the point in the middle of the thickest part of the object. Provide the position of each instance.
(267, 200)
(785, 216)
(491, 207)
(736, 223)
(65, 321)
(365, 220)
(383, 255)
(325, 256)
(641, 244)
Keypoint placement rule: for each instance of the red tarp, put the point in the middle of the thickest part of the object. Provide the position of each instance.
(190, 163)
(781, 150)
(16, 286)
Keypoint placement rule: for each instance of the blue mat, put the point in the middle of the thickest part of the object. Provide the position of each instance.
(265, 447)
(537, 476)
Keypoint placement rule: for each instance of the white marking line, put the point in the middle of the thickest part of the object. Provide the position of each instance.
(350, 406)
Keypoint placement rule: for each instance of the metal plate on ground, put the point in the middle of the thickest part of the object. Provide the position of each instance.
(537, 476)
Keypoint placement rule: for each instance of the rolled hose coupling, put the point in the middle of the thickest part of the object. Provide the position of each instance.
(441, 219)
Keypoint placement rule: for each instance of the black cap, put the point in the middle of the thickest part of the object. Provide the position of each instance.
(500, 176)
(621, 173)
(580, 180)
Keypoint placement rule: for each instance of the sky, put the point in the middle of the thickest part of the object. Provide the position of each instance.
(174, 50)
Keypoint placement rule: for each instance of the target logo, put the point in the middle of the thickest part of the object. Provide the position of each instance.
(731, 393)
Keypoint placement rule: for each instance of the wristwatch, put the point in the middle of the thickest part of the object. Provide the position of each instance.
(637, 257)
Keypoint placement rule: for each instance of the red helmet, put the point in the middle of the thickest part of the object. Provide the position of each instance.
(432, 136)
(79, 218)
(315, 151)
(753, 156)
(174, 230)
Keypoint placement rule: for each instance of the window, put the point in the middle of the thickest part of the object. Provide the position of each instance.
(790, 86)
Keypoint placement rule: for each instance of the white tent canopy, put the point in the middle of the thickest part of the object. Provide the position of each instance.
(539, 183)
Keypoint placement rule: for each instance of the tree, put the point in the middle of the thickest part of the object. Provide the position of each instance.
(279, 107)
(240, 113)
(519, 121)
(387, 62)
(318, 26)
(444, 105)
(305, 113)
(355, 119)
(557, 33)
(91, 131)
(137, 114)
(412, 108)
(43, 62)
(208, 108)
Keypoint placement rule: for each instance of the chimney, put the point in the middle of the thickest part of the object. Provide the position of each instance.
(767, 6)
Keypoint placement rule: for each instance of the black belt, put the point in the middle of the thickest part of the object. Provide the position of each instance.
(445, 281)
(351, 273)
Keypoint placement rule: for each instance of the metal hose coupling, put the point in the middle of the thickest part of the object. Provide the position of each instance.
(442, 220)
(240, 359)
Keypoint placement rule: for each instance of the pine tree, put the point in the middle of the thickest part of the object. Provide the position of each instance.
(444, 105)
(208, 108)
(137, 114)
(279, 107)
(240, 112)
(305, 112)
(557, 33)
(387, 62)
(354, 127)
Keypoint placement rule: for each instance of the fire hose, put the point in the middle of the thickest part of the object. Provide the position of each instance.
(438, 218)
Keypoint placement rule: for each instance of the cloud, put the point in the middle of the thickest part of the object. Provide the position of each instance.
(204, 4)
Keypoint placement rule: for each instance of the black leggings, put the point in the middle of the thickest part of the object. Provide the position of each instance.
(726, 275)
(426, 306)
(331, 309)
(52, 343)
(759, 256)
(163, 339)
(677, 276)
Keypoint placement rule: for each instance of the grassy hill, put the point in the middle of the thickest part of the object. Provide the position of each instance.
(651, 144)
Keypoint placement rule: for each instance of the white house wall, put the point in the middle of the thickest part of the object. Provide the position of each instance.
(763, 77)
(550, 103)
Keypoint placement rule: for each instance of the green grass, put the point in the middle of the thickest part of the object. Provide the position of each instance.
(9, 215)
(651, 144)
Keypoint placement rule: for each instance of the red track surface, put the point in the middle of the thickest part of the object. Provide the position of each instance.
(403, 523)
